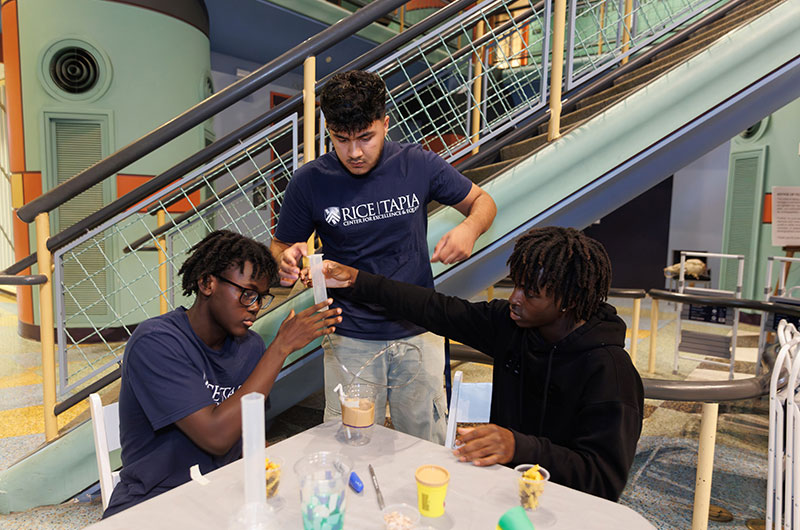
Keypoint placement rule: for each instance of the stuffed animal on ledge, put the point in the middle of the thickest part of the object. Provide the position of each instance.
(693, 268)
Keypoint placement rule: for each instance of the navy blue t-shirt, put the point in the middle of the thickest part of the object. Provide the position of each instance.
(376, 222)
(167, 374)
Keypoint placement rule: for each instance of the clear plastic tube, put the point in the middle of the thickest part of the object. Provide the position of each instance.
(391, 349)
(253, 438)
(317, 278)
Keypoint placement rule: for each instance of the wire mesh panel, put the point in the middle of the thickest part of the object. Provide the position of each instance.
(602, 33)
(485, 65)
(98, 308)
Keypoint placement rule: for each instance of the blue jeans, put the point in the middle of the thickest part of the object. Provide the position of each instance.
(418, 408)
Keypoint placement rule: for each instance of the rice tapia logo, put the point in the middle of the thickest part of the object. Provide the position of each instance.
(332, 215)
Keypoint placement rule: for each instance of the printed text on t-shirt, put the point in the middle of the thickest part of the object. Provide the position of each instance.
(220, 393)
(372, 211)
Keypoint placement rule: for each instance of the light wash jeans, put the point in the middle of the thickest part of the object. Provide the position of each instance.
(417, 409)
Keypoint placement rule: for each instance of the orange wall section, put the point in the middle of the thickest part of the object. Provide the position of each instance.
(128, 183)
(21, 250)
(16, 140)
(766, 212)
(31, 188)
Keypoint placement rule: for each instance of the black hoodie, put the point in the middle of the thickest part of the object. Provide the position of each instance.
(575, 407)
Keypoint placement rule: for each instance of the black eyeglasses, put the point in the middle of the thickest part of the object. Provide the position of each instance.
(249, 296)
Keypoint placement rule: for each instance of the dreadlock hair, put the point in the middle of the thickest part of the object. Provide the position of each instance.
(221, 249)
(352, 100)
(565, 264)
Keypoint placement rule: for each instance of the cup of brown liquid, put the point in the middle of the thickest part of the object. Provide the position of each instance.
(358, 412)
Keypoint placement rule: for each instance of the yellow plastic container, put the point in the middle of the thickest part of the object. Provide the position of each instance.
(432, 484)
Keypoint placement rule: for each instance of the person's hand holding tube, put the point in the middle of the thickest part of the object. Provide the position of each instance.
(336, 275)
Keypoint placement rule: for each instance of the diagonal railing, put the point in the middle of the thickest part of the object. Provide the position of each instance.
(465, 76)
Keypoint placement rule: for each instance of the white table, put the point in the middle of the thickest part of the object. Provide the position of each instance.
(476, 496)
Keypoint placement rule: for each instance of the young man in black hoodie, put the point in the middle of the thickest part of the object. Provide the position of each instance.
(565, 394)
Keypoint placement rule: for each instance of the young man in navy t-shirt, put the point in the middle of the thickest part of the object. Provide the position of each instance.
(367, 202)
(184, 372)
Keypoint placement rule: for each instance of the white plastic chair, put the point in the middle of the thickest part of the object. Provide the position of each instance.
(105, 425)
(782, 447)
(469, 403)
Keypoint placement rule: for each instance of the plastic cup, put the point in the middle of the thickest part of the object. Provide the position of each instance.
(358, 413)
(323, 484)
(529, 489)
(274, 467)
(432, 484)
(400, 517)
(515, 519)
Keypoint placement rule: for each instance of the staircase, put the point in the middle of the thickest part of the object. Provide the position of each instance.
(624, 86)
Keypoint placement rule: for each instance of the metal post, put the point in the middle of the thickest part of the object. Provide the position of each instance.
(602, 27)
(637, 309)
(161, 217)
(490, 293)
(651, 362)
(309, 108)
(477, 88)
(559, 25)
(626, 34)
(309, 102)
(45, 261)
(705, 466)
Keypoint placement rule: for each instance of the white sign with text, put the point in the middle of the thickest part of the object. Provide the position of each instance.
(786, 216)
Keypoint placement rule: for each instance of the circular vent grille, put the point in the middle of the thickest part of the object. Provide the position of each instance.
(74, 70)
(750, 131)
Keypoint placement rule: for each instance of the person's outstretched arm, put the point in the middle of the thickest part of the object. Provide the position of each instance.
(482, 325)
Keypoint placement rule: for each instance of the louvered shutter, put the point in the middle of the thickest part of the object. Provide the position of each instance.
(78, 145)
(743, 218)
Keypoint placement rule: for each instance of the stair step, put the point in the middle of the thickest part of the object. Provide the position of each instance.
(523, 148)
(705, 36)
(652, 66)
(640, 78)
(479, 174)
(582, 114)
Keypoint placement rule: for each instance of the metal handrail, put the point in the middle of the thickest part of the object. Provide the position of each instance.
(206, 109)
(21, 265)
(616, 292)
(10, 275)
(32, 279)
(82, 394)
(725, 301)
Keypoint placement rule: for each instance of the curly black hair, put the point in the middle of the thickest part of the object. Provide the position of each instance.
(352, 100)
(218, 251)
(563, 263)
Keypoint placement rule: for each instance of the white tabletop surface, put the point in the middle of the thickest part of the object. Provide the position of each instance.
(476, 496)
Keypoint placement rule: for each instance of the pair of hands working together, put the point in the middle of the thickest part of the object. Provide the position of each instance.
(484, 445)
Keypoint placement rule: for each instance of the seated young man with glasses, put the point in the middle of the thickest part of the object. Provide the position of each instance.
(184, 372)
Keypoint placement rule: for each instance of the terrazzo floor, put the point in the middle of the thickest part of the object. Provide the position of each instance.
(661, 480)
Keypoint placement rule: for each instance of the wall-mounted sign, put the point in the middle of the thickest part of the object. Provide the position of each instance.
(786, 216)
